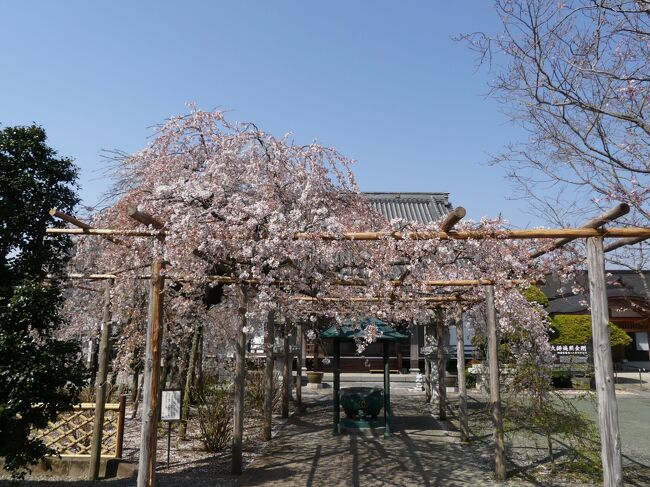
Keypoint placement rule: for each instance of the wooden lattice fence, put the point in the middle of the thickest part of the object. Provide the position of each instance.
(71, 435)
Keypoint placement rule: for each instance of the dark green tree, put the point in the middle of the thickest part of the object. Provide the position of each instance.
(40, 375)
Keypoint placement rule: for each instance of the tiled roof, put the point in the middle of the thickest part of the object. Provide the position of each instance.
(621, 285)
(418, 207)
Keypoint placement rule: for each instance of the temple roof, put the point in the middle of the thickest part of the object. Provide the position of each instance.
(417, 207)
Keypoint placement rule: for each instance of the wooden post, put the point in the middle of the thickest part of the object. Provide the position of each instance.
(460, 371)
(441, 364)
(427, 367)
(286, 372)
(189, 377)
(238, 399)
(151, 386)
(300, 342)
(336, 368)
(388, 413)
(119, 440)
(100, 386)
(610, 442)
(269, 340)
(495, 393)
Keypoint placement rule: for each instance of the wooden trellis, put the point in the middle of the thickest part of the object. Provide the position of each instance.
(71, 434)
(592, 232)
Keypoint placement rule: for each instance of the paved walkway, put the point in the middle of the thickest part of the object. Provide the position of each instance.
(306, 454)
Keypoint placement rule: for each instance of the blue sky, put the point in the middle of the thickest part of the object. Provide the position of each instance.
(382, 81)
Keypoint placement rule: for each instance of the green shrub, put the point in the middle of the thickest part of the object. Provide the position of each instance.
(214, 413)
(576, 330)
(254, 390)
(535, 295)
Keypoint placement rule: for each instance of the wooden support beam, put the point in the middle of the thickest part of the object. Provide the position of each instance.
(453, 217)
(300, 360)
(460, 372)
(70, 219)
(623, 242)
(145, 218)
(388, 412)
(495, 393)
(606, 217)
(267, 415)
(151, 386)
(336, 398)
(442, 334)
(100, 386)
(610, 441)
(78, 223)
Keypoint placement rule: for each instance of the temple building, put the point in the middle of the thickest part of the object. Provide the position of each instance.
(405, 356)
(628, 295)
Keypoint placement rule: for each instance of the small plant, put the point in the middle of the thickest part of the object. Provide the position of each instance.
(214, 413)
(255, 390)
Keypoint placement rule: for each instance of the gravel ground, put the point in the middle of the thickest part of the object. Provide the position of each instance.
(305, 453)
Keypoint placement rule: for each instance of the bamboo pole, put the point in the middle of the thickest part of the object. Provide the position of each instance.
(269, 340)
(460, 370)
(495, 393)
(482, 234)
(238, 400)
(338, 282)
(453, 217)
(373, 299)
(100, 386)
(599, 221)
(151, 386)
(363, 236)
(610, 442)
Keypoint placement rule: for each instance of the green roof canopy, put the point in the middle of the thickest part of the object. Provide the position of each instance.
(351, 330)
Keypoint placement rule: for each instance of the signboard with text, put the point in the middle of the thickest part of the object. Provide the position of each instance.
(170, 405)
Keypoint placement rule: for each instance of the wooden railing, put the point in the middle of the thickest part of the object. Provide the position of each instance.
(71, 435)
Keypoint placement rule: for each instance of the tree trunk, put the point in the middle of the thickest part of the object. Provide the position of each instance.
(286, 373)
(238, 400)
(268, 378)
(187, 395)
